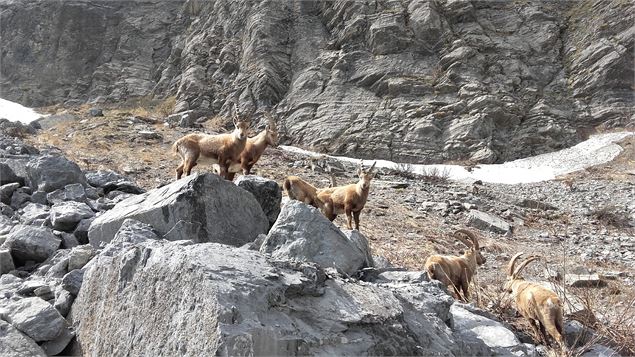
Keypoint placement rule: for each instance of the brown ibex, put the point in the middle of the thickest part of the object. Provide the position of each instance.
(539, 305)
(219, 149)
(298, 189)
(457, 271)
(254, 148)
(349, 199)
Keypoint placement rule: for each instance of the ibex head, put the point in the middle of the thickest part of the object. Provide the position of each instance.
(513, 273)
(365, 176)
(240, 125)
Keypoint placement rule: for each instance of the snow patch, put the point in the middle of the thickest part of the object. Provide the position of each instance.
(17, 112)
(598, 149)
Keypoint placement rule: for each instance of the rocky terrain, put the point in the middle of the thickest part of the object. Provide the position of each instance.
(409, 80)
(170, 261)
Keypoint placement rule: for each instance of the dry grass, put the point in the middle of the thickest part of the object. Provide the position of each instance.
(611, 216)
(166, 107)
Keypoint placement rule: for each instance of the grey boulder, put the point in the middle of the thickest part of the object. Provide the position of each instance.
(72, 282)
(49, 173)
(31, 243)
(36, 318)
(66, 215)
(200, 207)
(6, 261)
(212, 299)
(267, 193)
(495, 339)
(302, 233)
(488, 222)
(15, 343)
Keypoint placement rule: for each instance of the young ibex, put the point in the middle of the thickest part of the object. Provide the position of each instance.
(219, 149)
(298, 189)
(349, 199)
(254, 148)
(457, 271)
(539, 305)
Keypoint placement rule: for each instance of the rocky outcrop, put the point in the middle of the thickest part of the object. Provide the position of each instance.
(200, 207)
(205, 299)
(416, 81)
(302, 233)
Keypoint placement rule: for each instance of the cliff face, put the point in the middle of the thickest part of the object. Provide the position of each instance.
(408, 80)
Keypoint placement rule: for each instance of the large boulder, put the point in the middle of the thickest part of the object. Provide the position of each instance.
(110, 181)
(267, 193)
(15, 343)
(49, 173)
(200, 207)
(36, 318)
(207, 299)
(302, 233)
(31, 243)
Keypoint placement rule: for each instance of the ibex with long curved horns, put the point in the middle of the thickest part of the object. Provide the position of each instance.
(539, 305)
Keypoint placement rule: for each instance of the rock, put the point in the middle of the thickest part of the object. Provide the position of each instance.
(302, 233)
(34, 211)
(27, 288)
(471, 328)
(186, 119)
(598, 350)
(73, 192)
(202, 208)
(95, 112)
(267, 193)
(39, 197)
(56, 346)
(7, 190)
(31, 243)
(79, 256)
(487, 222)
(49, 173)
(584, 281)
(63, 302)
(20, 197)
(66, 215)
(68, 240)
(15, 343)
(112, 181)
(535, 204)
(73, 281)
(81, 231)
(44, 292)
(6, 261)
(223, 296)
(36, 318)
(403, 276)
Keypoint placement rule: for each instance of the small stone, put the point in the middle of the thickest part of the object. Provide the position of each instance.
(96, 112)
(73, 281)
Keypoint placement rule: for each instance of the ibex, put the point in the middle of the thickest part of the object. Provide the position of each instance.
(457, 271)
(298, 189)
(221, 149)
(539, 305)
(349, 199)
(254, 148)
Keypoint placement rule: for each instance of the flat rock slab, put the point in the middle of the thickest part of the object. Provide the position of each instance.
(488, 222)
(200, 207)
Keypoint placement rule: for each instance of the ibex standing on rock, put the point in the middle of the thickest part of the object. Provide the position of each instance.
(298, 189)
(221, 149)
(539, 305)
(457, 271)
(254, 148)
(349, 199)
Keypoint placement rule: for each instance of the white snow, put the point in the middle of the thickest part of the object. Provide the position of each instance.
(598, 149)
(16, 112)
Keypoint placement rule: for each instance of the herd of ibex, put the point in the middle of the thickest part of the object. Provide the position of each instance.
(235, 152)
